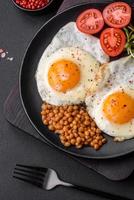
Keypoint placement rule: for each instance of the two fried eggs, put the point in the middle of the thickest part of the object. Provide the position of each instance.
(70, 71)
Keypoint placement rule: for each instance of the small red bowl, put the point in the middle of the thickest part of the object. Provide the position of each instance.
(35, 10)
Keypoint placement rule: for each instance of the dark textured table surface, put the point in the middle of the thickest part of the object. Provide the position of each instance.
(16, 31)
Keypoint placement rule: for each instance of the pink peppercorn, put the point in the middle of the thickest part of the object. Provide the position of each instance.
(32, 4)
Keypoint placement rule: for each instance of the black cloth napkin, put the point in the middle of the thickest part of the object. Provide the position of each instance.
(114, 169)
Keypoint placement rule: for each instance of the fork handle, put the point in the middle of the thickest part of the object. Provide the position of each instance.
(66, 184)
(96, 192)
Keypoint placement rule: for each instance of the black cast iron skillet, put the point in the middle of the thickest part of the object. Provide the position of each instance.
(32, 102)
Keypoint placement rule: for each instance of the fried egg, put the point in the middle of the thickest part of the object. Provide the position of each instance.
(70, 36)
(66, 76)
(112, 105)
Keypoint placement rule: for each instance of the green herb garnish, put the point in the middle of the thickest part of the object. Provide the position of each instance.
(130, 40)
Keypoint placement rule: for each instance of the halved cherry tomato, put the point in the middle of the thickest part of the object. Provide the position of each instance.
(113, 41)
(117, 15)
(90, 21)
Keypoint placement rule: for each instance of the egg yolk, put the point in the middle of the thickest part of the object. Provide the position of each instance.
(63, 75)
(119, 108)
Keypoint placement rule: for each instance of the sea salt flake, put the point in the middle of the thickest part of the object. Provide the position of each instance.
(10, 59)
(3, 55)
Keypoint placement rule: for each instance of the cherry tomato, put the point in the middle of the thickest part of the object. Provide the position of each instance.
(117, 15)
(113, 41)
(90, 21)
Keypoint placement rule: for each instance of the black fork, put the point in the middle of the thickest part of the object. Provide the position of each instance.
(47, 179)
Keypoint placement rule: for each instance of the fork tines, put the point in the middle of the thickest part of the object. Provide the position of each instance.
(30, 174)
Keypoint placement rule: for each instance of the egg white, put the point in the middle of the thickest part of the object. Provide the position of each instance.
(70, 36)
(88, 67)
(121, 76)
